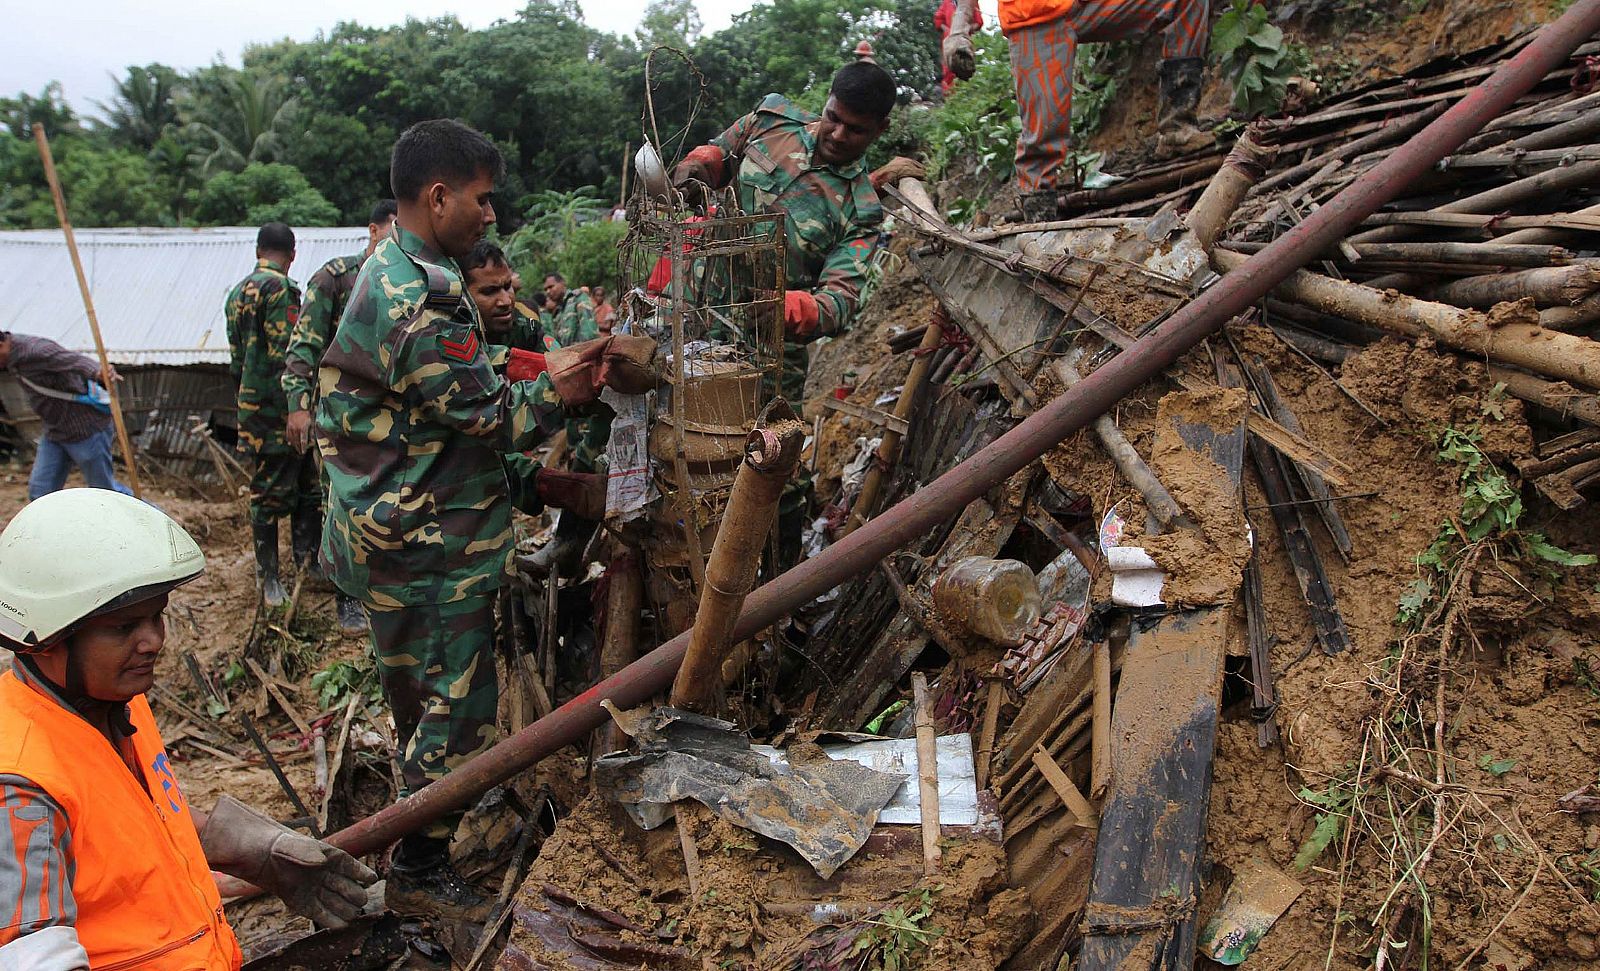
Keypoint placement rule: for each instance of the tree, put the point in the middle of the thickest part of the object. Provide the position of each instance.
(261, 193)
(241, 116)
(669, 23)
(144, 106)
(49, 108)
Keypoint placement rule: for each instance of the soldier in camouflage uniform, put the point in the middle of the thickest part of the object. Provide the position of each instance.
(326, 294)
(813, 169)
(261, 311)
(412, 422)
(509, 328)
(572, 321)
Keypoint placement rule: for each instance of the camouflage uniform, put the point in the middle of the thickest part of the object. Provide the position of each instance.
(262, 309)
(412, 423)
(527, 334)
(326, 294)
(831, 222)
(587, 437)
(831, 216)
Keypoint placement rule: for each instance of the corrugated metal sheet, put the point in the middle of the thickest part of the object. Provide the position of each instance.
(158, 293)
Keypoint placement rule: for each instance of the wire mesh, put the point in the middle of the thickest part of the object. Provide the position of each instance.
(711, 289)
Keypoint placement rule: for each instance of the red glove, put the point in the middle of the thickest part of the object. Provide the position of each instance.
(581, 493)
(801, 315)
(524, 365)
(702, 164)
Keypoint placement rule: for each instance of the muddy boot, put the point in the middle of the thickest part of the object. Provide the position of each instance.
(422, 883)
(305, 535)
(266, 543)
(1178, 131)
(563, 555)
(352, 618)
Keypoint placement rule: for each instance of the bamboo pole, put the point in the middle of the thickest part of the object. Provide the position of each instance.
(772, 452)
(88, 306)
(889, 447)
(1518, 343)
(927, 773)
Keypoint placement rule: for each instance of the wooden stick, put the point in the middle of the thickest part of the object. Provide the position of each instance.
(691, 853)
(338, 759)
(1100, 773)
(1074, 800)
(88, 306)
(927, 773)
(1128, 461)
(889, 446)
(271, 684)
(991, 724)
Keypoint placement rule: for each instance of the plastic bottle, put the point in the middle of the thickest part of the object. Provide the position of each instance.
(994, 599)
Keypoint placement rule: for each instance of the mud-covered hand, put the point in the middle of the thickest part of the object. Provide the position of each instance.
(316, 880)
(583, 493)
(625, 363)
(896, 169)
(297, 430)
(960, 56)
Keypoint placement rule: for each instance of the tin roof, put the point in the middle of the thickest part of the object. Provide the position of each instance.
(158, 293)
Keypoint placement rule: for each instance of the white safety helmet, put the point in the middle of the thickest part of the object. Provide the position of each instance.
(77, 553)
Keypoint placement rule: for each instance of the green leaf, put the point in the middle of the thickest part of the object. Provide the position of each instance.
(1327, 830)
(1546, 550)
(1496, 767)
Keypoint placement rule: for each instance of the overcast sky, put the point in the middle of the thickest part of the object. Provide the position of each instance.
(81, 42)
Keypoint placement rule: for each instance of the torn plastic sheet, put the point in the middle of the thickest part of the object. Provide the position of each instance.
(825, 809)
(958, 775)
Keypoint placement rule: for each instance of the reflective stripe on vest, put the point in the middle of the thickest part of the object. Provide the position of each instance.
(1025, 13)
(145, 897)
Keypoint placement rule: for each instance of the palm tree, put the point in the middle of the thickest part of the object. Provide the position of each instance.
(248, 119)
(144, 106)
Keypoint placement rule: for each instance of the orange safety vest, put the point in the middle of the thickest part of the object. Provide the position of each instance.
(145, 896)
(1026, 13)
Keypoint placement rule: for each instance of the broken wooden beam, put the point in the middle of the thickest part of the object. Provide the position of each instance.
(1143, 898)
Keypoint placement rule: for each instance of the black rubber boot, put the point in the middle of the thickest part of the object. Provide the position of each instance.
(265, 536)
(352, 618)
(423, 883)
(305, 535)
(1178, 129)
(563, 555)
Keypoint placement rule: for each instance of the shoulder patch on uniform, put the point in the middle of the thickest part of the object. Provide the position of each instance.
(463, 351)
(444, 290)
(860, 248)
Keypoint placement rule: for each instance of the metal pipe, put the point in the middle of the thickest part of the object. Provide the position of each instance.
(937, 501)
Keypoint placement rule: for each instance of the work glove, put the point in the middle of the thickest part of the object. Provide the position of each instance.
(960, 56)
(896, 169)
(525, 365)
(625, 363)
(297, 430)
(801, 315)
(316, 880)
(581, 493)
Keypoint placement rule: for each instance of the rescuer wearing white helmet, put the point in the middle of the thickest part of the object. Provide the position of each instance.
(106, 864)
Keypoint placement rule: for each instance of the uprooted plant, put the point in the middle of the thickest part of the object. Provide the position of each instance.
(1411, 817)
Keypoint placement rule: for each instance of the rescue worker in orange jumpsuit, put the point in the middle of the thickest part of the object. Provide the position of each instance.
(1044, 36)
(107, 866)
